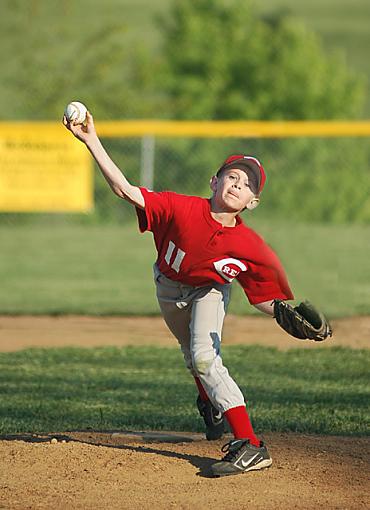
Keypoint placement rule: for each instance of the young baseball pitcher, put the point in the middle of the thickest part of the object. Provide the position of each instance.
(203, 245)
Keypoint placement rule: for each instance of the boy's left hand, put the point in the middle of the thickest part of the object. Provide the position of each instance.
(302, 321)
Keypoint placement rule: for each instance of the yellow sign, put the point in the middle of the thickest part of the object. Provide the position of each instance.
(43, 170)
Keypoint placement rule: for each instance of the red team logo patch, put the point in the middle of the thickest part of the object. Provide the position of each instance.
(229, 268)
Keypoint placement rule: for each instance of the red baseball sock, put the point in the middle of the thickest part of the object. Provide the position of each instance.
(240, 424)
(202, 392)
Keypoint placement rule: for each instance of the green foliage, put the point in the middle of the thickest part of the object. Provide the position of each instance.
(54, 390)
(226, 62)
(223, 59)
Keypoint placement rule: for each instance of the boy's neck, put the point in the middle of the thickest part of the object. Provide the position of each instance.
(227, 219)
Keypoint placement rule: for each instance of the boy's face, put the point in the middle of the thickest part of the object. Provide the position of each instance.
(232, 191)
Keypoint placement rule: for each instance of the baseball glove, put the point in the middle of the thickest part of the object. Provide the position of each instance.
(302, 321)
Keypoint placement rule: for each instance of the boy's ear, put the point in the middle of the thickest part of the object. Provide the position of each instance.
(253, 203)
(213, 183)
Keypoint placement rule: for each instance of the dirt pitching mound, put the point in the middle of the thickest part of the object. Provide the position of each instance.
(161, 471)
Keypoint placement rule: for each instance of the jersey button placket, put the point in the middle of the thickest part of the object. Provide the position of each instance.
(215, 237)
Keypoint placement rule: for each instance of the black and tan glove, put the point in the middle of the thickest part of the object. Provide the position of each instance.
(302, 321)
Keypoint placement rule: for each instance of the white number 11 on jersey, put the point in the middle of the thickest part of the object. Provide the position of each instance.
(178, 259)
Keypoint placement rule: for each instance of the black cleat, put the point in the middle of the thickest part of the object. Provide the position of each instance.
(241, 457)
(214, 420)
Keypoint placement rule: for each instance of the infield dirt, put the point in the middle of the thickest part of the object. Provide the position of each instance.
(119, 470)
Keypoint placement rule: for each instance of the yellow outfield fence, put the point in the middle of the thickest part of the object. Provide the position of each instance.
(234, 129)
(201, 129)
(44, 169)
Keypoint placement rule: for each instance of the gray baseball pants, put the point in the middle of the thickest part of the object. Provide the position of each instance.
(195, 316)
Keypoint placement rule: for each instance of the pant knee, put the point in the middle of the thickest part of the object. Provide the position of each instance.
(202, 365)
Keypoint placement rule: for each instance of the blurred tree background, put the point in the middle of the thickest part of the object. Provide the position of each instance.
(205, 59)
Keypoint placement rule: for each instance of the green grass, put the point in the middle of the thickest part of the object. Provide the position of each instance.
(107, 269)
(76, 269)
(56, 390)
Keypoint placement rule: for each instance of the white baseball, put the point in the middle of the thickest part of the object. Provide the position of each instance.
(76, 112)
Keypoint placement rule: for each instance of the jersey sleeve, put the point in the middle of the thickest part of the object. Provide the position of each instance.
(157, 210)
(265, 278)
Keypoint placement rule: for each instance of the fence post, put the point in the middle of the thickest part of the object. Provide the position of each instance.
(147, 161)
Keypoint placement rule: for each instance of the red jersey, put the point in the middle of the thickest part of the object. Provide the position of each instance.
(197, 250)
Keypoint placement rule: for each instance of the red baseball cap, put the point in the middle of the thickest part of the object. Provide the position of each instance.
(245, 162)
